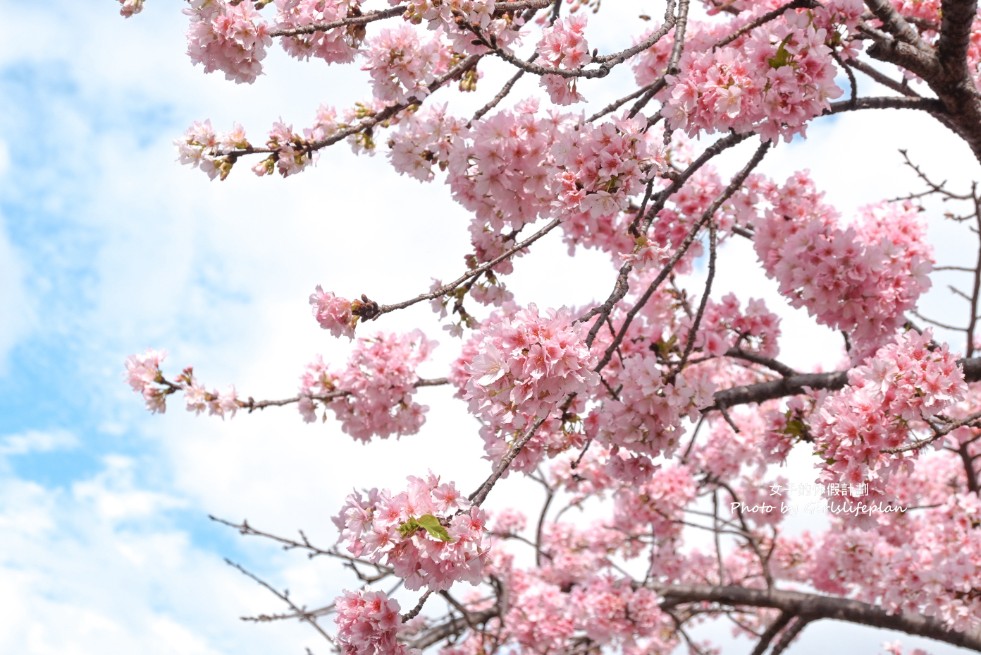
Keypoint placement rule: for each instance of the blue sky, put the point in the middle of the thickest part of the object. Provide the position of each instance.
(108, 247)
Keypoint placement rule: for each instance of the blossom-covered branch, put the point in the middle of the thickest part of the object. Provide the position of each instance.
(664, 408)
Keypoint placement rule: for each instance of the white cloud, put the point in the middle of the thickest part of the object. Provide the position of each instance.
(112, 495)
(35, 441)
(79, 579)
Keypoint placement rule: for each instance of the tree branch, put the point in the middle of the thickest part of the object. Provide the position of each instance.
(955, 35)
(815, 606)
(301, 612)
(944, 69)
(793, 385)
(894, 23)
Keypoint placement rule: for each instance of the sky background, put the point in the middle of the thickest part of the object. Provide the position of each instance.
(108, 247)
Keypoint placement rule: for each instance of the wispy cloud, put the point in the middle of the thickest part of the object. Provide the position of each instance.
(34, 441)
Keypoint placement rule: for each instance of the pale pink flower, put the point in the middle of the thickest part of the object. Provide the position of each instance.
(333, 313)
(229, 38)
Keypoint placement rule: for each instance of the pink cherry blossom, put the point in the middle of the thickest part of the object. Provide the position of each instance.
(772, 81)
(335, 46)
(860, 279)
(446, 547)
(563, 45)
(333, 313)
(373, 394)
(906, 382)
(228, 37)
(402, 64)
(518, 367)
(368, 623)
(143, 374)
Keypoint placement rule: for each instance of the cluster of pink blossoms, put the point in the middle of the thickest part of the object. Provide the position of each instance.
(929, 567)
(457, 17)
(424, 140)
(145, 377)
(859, 279)
(199, 145)
(373, 394)
(445, 12)
(368, 623)
(603, 172)
(226, 37)
(337, 46)
(518, 368)
(648, 416)
(202, 148)
(725, 326)
(547, 618)
(516, 166)
(602, 166)
(402, 65)
(724, 453)
(502, 171)
(429, 534)
(290, 152)
(771, 81)
(199, 399)
(906, 382)
(563, 46)
(657, 503)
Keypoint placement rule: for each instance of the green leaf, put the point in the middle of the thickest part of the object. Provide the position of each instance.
(795, 428)
(409, 527)
(782, 58)
(435, 529)
(665, 347)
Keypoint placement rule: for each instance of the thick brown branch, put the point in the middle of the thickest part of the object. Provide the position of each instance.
(944, 69)
(972, 320)
(782, 621)
(893, 22)
(788, 635)
(968, 460)
(804, 607)
(929, 105)
(815, 606)
(786, 386)
(955, 34)
(797, 384)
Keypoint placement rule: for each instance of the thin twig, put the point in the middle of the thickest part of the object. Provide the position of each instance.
(301, 613)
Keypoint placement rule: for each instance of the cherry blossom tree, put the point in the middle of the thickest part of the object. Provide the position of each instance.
(663, 414)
